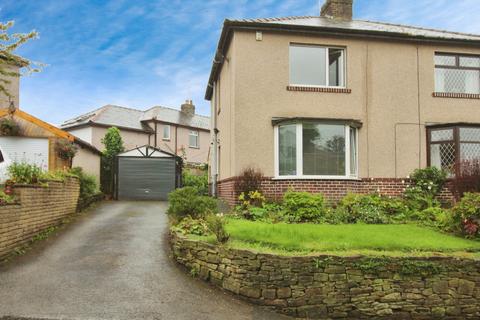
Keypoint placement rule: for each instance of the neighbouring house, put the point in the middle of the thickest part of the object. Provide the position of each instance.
(25, 138)
(37, 142)
(335, 105)
(180, 132)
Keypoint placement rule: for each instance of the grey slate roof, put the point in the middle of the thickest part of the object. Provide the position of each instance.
(364, 25)
(122, 117)
(178, 117)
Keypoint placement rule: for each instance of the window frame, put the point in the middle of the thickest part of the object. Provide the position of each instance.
(299, 154)
(456, 140)
(195, 133)
(457, 66)
(169, 132)
(327, 69)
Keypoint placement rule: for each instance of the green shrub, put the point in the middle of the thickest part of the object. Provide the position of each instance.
(429, 216)
(23, 173)
(186, 201)
(216, 224)
(430, 180)
(88, 183)
(466, 215)
(6, 199)
(370, 209)
(189, 225)
(303, 207)
(199, 182)
(417, 199)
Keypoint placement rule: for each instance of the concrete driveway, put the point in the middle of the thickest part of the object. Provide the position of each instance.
(113, 264)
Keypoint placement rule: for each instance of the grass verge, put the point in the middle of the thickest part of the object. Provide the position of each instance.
(346, 240)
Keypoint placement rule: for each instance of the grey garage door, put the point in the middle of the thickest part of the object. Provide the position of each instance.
(145, 178)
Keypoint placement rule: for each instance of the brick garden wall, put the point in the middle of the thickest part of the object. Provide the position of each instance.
(333, 190)
(38, 208)
(326, 287)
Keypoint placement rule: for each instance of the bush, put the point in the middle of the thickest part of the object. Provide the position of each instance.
(187, 202)
(189, 225)
(88, 183)
(199, 182)
(6, 199)
(429, 180)
(467, 178)
(24, 173)
(216, 224)
(250, 180)
(370, 209)
(303, 207)
(466, 215)
(417, 200)
(433, 216)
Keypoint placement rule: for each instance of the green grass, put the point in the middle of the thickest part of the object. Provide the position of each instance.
(345, 239)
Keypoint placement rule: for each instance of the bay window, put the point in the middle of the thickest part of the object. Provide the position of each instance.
(457, 73)
(317, 66)
(310, 149)
(451, 146)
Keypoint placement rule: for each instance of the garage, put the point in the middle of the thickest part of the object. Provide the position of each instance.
(25, 150)
(146, 173)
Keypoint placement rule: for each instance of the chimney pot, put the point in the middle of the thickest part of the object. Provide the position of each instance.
(338, 9)
(188, 107)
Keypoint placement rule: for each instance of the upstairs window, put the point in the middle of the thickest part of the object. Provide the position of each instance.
(193, 139)
(166, 132)
(457, 73)
(317, 66)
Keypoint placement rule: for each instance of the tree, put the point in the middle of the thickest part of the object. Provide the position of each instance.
(113, 146)
(8, 44)
(113, 143)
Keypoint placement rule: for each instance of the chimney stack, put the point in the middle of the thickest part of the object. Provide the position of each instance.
(188, 108)
(338, 10)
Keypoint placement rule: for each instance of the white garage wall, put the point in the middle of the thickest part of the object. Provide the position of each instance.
(29, 150)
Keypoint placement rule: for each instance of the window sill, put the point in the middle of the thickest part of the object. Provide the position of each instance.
(317, 178)
(318, 89)
(456, 95)
(193, 147)
(165, 139)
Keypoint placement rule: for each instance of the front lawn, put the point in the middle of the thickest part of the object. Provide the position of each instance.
(345, 239)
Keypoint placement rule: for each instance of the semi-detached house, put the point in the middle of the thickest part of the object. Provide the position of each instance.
(335, 105)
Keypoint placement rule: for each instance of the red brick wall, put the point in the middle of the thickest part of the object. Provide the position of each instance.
(38, 209)
(333, 190)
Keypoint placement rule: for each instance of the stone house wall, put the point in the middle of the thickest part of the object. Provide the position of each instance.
(38, 208)
(325, 287)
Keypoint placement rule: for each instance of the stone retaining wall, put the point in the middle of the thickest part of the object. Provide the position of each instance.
(326, 287)
(38, 208)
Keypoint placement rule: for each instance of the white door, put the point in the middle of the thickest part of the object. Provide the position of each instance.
(27, 150)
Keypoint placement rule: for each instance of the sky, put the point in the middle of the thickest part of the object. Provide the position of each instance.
(144, 53)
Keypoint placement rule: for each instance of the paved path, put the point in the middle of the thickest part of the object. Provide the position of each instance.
(113, 264)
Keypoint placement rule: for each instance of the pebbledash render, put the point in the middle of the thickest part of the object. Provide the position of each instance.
(334, 105)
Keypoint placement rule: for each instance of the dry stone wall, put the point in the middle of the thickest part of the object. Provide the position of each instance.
(37, 209)
(326, 287)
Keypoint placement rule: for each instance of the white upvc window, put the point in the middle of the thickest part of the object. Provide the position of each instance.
(166, 132)
(316, 150)
(317, 66)
(193, 139)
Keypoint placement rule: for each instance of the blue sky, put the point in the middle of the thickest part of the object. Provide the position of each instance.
(145, 52)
